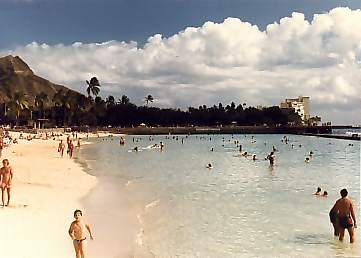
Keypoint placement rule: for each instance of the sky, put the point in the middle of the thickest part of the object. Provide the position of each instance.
(194, 52)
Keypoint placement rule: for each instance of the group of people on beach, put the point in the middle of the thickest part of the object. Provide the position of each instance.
(78, 228)
(70, 146)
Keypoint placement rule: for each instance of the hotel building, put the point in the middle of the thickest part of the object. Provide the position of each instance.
(301, 105)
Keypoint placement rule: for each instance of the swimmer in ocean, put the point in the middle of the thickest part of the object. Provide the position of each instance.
(318, 191)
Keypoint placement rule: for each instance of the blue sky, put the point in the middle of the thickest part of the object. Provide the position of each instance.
(194, 52)
(68, 21)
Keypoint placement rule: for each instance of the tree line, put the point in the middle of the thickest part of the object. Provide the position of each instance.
(69, 108)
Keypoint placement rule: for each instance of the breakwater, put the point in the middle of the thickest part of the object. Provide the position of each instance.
(336, 136)
(226, 130)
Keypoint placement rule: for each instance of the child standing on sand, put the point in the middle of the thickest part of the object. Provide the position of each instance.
(77, 232)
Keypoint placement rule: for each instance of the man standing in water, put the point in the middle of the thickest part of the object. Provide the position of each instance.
(271, 158)
(6, 176)
(78, 234)
(343, 216)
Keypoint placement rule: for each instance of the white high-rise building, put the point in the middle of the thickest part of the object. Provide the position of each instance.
(301, 105)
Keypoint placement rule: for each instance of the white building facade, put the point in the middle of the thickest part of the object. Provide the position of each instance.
(301, 106)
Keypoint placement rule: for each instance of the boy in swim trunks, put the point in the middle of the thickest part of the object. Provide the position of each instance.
(343, 216)
(6, 177)
(78, 234)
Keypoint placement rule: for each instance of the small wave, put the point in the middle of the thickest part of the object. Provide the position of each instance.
(151, 205)
(151, 147)
(140, 220)
(139, 237)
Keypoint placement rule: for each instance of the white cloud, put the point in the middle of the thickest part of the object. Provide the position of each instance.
(229, 61)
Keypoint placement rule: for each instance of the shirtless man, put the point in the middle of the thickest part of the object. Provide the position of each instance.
(6, 176)
(78, 234)
(61, 148)
(342, 212)
(70, 148)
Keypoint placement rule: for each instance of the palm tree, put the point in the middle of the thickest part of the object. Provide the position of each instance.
(124, 100)
(148, 99)
(93, 86)
(19, 102)
(61, 101)
(58, 98)
(7, 89)
(40, 101)
(110, 101)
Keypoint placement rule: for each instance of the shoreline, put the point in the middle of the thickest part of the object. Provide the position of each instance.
(111, 213)
(46, 191)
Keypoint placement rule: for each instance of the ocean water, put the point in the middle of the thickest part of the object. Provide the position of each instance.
(240, 208)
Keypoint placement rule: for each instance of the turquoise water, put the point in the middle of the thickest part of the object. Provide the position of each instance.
(241, 207)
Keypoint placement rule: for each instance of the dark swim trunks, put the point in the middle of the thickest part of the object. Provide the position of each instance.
(80, 240)
(333, 216)
(346, 222)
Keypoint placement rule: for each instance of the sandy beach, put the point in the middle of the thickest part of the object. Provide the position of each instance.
(46, 190)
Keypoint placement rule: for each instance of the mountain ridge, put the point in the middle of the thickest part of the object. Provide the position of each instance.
(17, 76)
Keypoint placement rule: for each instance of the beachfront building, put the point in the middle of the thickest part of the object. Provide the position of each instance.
(260, 107)
(301, 105)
